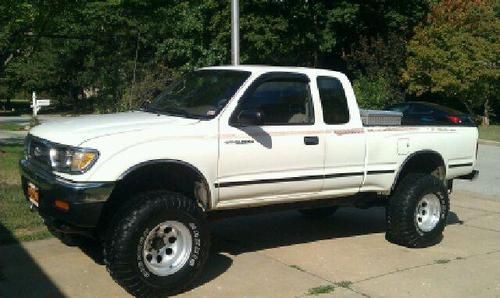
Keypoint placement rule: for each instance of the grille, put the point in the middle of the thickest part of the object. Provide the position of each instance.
(38, 151)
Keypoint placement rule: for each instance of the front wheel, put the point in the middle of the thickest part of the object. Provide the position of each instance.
(417, 211)
(157, 245)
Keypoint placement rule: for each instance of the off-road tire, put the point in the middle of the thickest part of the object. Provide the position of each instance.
(318, 213)
(401, 212)
(123, 247)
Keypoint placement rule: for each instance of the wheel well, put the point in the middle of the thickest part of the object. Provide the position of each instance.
(173, 176)
(425, 162)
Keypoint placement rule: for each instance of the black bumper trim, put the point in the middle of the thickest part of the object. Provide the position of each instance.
(86, 199)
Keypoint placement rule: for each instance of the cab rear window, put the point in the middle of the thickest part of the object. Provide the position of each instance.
(333, 100)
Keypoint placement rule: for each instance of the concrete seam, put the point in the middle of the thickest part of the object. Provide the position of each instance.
(241, 245)
(477, 209)
(424, 265)
(481, 228)
(312, 274)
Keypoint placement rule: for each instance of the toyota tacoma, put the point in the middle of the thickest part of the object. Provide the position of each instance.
(145, 182)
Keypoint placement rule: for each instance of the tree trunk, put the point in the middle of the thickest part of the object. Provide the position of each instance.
(486, 112)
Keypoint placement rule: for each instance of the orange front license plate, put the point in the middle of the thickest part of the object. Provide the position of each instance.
(33, 194)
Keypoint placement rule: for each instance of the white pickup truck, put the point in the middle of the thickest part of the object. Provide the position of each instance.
(220, 138)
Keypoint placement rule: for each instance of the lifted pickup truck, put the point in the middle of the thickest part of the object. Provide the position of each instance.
(225, 138)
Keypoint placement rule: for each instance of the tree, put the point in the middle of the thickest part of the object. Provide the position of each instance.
(301, 33)
(376, 57)
(455, 54)
(112, 55)
(376, 65)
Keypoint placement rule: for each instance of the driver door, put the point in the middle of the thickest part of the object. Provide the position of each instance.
(281, 154)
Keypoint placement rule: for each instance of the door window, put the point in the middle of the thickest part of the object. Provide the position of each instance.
(280, 102)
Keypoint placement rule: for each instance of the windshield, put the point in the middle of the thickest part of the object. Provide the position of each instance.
(199, 94)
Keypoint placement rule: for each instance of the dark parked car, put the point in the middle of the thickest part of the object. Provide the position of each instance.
(425, 113)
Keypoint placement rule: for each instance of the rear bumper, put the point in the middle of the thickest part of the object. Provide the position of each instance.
(85, 199)
(471, 176)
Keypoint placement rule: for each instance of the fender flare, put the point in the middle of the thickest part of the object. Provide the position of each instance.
(410, 157)
(176, 162)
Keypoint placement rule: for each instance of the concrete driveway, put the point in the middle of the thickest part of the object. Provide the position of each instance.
(284, 255)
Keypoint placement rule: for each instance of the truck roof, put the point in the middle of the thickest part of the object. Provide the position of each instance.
(267, 68)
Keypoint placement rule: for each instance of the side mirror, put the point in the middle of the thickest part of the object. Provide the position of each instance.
(250, 117)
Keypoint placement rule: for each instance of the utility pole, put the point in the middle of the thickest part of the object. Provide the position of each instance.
(235, 32)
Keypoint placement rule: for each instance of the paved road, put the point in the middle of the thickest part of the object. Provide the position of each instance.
(17, 137)
(488, 182)
(11, 137)
(24, 119)
(284, 255)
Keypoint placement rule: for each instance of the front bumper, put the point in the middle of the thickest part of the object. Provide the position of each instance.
(85, 199)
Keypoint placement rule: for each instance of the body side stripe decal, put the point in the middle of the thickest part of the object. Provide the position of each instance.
(301, 178)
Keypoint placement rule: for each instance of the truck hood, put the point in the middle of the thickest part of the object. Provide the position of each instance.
(76, 130)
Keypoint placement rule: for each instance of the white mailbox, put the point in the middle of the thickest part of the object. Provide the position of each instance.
(37, 104)
(43, 102)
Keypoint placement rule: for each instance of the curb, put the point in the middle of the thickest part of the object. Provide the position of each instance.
(488, 142)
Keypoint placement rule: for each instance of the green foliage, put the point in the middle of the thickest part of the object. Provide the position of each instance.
(377, 66)
(9, 168)
(11, 127)
(455, 53)
(321, 290)
(344, 284)
(17, 222)
(491, 133)
(373, 92)
(112, 55)
(378, 56)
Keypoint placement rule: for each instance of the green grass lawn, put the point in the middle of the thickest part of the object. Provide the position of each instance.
(17, 222)
(491, 133)
(11, 126)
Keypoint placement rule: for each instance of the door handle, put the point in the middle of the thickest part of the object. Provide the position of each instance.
(311, 140)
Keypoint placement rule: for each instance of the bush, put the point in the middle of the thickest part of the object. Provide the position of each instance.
(373, 92)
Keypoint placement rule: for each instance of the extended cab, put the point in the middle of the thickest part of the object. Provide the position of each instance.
(225, 138)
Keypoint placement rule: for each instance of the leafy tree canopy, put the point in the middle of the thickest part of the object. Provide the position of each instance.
(456, 51)
(111, 55)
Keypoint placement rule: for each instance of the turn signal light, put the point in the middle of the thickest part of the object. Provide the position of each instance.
(61, 205)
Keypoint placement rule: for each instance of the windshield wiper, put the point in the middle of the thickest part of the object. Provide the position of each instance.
(177, 112)
(173, 112)
(150, 110)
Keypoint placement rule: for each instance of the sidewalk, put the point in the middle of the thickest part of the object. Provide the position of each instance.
(284, 255)
(12, 137)
(17, 137)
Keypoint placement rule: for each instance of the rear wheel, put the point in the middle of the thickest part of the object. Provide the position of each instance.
(157, 245)
(417, 211)
(318, 213)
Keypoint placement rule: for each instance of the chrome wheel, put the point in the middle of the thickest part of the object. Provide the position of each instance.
(428, 213)
(167, 248)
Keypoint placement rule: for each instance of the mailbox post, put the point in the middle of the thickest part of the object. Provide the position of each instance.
(37, 104)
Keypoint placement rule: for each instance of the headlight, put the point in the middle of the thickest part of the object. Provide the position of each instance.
(72, 160)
